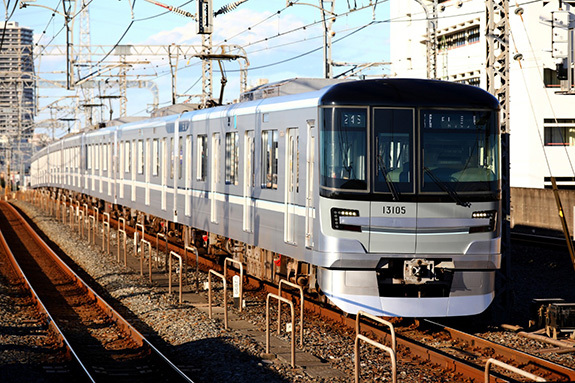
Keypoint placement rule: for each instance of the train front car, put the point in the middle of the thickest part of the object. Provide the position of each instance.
(409, 198)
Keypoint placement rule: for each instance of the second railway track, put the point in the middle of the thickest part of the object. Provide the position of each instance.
(105, 344)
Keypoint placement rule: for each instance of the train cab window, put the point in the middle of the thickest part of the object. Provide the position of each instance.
(232, 158)
(202, 158)
(269, 163)
(343, 148)
(393, 131)
(460, 151)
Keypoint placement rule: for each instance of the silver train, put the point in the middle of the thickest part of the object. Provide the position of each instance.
(381, 195)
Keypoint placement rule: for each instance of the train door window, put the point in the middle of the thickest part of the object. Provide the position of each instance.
(89, 157)
(171, 157)
(181, 157)
(215, 158)
(393, 162)
(269, 163)
(164, 163)
(105, 158)
(155, 157)
(141, 155)
(188, 158)
(127, 156)
(232, 158)
(343, 148)
(96, 152)
(202, 158)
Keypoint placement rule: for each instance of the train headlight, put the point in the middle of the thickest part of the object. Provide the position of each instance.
(489, 217)
(339, 218)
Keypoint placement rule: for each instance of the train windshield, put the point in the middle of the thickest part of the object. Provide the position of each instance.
(344, 148)
(460, 151)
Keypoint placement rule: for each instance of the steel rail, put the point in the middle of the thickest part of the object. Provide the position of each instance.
(521, 358)
(106, 308)
(53, 326)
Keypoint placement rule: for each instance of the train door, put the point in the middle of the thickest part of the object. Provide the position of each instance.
(393, 217)
(292, 184)
(249, 148)
(309, 209)
(214, 175)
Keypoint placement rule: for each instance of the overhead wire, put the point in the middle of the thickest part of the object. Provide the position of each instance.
(547, 98)
(6, 22)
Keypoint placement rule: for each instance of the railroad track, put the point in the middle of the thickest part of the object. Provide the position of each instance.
(460, 353)
(105, 346)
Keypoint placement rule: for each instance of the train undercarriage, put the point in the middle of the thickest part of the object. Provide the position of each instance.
(259, 263)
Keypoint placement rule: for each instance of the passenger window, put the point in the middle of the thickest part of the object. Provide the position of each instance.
(269, 163)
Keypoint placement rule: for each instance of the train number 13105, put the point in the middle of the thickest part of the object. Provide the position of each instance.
(394, 210)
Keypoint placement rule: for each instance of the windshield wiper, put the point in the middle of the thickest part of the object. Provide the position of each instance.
(446, 188)
(385, 172)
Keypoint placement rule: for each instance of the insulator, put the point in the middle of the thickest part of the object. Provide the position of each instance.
(181, 12)
(229, 7)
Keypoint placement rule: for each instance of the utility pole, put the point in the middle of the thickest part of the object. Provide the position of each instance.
(327, 36)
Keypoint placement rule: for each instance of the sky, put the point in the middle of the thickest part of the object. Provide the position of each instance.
(280, 41)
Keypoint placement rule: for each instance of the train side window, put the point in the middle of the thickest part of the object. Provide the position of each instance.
(269, 163)
(141, 156)
(232, 158)
(202, 157)
(155, 157)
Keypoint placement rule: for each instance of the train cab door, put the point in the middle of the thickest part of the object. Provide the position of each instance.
(394, 217)
(214, 176)
(292, 184)
(249, 147)
(309, 209)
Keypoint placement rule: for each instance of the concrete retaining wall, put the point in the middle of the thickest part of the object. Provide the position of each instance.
(537, 208)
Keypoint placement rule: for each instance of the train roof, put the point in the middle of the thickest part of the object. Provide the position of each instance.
(408, 92)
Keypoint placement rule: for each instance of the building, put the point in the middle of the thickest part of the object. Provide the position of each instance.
(17, 94)
(542, 116)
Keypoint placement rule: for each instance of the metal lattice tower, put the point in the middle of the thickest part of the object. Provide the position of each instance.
(84, 61)
(497, 76)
